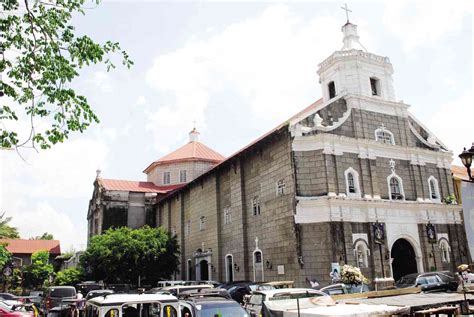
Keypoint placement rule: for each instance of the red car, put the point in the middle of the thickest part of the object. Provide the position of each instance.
(5, 311)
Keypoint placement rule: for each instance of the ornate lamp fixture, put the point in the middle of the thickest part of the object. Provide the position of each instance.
(466, 158)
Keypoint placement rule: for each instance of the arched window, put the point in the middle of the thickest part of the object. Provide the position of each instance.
(434, 189)
(445, 249)
(331, 90)
(395, 188)
(258, 265)
(189, 270)
(375, 86)
(280, 187)
(202, 223)
(361, 252)
(352, 183)
(229, 267)
(383, 135)
(256, 206)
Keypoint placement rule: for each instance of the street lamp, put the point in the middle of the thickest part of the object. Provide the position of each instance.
(466, 158)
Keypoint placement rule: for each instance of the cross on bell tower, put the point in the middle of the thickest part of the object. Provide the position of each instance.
(347, 11)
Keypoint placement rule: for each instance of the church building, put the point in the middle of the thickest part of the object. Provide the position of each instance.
(354, 178)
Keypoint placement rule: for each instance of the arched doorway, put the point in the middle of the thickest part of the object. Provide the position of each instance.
(229, 263)
(204, 270)
(403, 259)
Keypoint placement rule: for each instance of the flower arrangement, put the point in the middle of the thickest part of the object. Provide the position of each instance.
(352, 275)
(450, 200)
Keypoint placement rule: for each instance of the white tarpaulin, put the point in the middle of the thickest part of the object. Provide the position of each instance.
(467, 194)
(310, 308)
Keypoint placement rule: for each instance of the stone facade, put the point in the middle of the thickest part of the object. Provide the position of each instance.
(307, 197)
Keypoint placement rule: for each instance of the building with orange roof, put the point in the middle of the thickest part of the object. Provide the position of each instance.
(22, 249)
(118, 203)
(459, 176)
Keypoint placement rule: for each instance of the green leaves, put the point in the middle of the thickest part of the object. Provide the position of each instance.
(70, 276)
(123, 254)
(40, 56)
(38, 271)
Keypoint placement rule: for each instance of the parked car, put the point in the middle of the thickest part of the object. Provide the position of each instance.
(35, 297)
(209, 302)
(177, 289)
(120, 288)
(341, 288)
(14, 311)
(97, 293)
(430, 282)
(55, 295)
(239, 289)
(86, 287)
(253, 303)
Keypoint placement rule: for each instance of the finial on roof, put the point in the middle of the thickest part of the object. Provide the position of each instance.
(98, 171)
(194, 135)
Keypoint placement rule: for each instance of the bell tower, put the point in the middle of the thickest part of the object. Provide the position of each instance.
(353, 70)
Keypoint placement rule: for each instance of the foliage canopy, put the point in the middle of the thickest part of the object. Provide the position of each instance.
(123, 255)
(40, 55)
(69, 276)
(44, 236)
(39, 271)
(7, 231)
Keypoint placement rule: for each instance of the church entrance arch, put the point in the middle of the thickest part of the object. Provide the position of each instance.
(403, 259)
(204, 270)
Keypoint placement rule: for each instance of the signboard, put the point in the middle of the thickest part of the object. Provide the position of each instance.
(431, 233)
(467, 195)
(379, 233)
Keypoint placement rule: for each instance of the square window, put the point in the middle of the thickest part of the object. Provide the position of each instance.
(166, 178)
(182, 176)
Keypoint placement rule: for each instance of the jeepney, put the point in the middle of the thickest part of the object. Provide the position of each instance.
(133, 305)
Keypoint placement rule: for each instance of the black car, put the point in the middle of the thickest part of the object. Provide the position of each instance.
(97, 293)
(209, 303)
(239, 289)
(430, 282)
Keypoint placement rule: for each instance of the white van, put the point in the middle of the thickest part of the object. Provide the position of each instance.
(133, 305)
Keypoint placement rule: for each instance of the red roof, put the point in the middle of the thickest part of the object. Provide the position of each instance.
(192, 151)
(20, 246)
(135, 186)
(311, 107)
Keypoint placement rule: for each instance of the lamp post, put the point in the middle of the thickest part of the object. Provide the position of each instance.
(466, 158)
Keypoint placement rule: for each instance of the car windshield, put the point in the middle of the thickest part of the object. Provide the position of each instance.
(221, 309)
(289, 295)
(62, 292)
(406, 280)
(427, 280)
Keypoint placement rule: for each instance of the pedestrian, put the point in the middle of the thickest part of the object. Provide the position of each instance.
(313, 283)
(334, 276)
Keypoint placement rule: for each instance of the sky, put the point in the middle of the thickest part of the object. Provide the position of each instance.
(236, 69)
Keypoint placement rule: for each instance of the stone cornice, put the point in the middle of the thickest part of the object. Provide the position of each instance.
(325, 209)
(370, 149)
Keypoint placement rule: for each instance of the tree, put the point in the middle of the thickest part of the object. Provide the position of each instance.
(69, 276)
(39, 271)
(5, 256)
(40, 55)
(7, 231)
(44, 236)
(124, 255)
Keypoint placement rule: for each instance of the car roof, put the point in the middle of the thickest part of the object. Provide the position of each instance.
(131, 298)
(217, 299)
(273, 292)
(184, 287)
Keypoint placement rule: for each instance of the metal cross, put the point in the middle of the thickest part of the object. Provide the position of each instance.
(347, 11)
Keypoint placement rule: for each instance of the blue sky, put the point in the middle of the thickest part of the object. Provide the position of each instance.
(237, 69)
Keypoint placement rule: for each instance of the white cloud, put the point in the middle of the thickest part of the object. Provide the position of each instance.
(63, 176)
(141, 100)
(452, 123)
(423, 22)
(101, 81)
(42, 217)
(270, 61)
